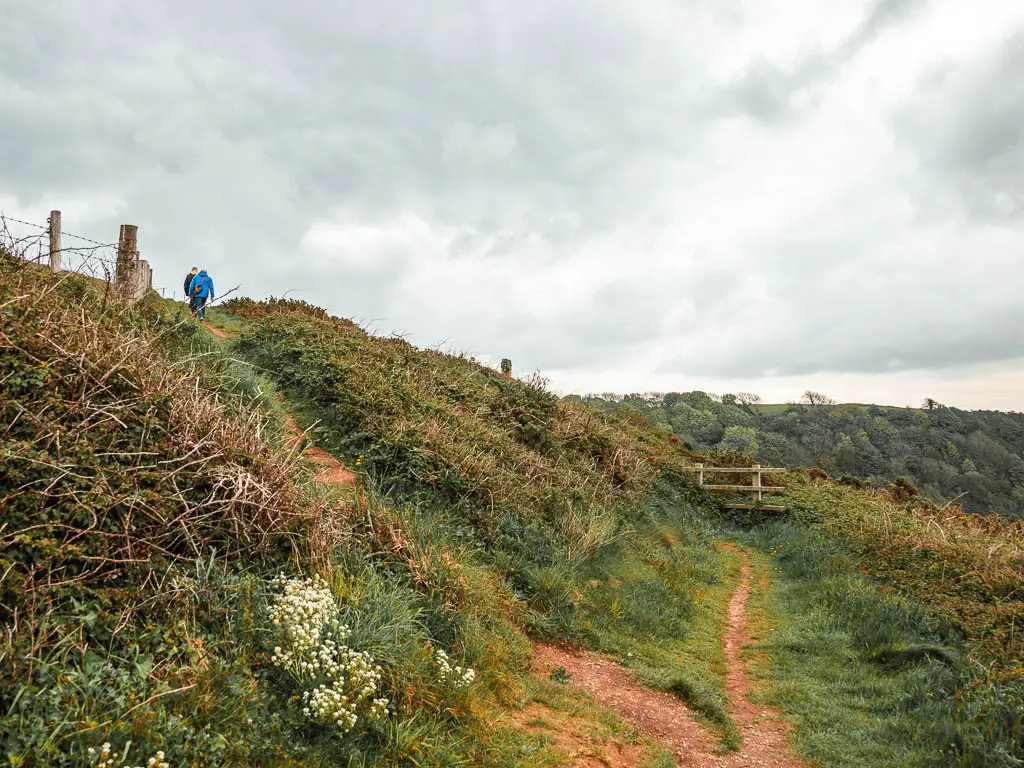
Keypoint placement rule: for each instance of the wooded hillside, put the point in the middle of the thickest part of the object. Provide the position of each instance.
(975, 457)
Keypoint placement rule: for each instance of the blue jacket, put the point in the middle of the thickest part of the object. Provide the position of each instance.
(205, 284)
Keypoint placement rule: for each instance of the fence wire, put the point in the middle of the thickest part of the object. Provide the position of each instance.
(98, 260)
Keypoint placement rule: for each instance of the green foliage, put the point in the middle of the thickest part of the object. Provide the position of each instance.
(903, 490)
(559, 675)
(249, 309)
(976, 457)
(739, 440)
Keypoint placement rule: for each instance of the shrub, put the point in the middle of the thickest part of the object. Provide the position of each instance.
(903, 490)
(247, 308)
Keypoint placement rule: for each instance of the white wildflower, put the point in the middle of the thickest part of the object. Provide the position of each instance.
(340, 683)
(454, 676)
(107, 760)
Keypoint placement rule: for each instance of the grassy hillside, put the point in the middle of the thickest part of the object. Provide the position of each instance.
(149, 514)
(166, 559)
(176, 583)
(554, 499)
(974, 457)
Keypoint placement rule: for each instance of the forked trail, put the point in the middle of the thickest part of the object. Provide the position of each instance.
(661, 716)
(666, 719)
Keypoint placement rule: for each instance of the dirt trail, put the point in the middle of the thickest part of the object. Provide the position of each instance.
(662, 716)
(333, 472)
(668, 720)
(765, 733)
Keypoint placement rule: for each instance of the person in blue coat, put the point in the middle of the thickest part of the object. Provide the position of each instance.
(200, 290)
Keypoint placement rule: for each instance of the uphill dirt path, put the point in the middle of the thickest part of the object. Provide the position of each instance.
(666, 719)
(331, 471)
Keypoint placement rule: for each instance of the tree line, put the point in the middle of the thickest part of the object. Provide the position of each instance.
(971, 457)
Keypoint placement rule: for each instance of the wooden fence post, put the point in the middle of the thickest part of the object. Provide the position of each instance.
(127, 245)
(55, 241)
(757, 480)
(700, 475)
(134, 275)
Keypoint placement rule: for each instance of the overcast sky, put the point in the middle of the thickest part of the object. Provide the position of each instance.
(763, 195)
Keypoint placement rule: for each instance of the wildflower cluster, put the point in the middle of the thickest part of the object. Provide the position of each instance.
(300, 612)
(455, 676)
(340, 683)
(104, 759)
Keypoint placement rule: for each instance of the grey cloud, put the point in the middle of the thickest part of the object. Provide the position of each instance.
(770, 93)
(966, 124)
(848, 301)
(528, 135)
(618, 318)
(363, 288)
(314, 85)
(874, 348)
(882, 15)
(765, 91)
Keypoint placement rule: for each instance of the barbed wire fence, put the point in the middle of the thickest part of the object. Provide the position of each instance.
(45, 244)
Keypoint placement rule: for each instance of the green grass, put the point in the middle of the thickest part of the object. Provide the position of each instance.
(225, 321)
(568, 711)
(965, 568)
(868, 678)
(768, 408)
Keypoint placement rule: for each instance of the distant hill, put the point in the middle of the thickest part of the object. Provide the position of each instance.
(975, 457)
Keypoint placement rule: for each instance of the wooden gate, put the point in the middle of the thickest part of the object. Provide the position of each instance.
(756, 487)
